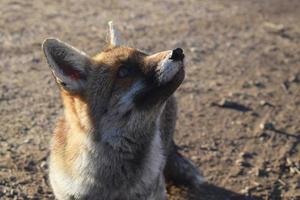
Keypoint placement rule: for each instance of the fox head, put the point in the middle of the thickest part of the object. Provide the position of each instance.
(119, 87)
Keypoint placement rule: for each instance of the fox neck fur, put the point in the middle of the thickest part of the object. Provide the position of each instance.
(103, 158)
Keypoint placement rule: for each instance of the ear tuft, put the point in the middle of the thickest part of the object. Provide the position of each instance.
(69, 65)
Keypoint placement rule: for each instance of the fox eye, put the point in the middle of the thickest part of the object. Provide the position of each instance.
(123, 72)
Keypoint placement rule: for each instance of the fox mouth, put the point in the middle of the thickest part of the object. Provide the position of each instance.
(166, 78)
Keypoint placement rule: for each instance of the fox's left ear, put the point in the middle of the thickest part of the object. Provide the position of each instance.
(69, 65)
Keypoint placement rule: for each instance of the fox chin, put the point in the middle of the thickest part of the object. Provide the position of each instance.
(115, 138)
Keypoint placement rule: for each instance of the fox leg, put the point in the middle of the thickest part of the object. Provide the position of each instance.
(178, 169)
(182, 171)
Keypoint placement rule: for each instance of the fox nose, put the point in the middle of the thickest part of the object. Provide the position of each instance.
(177, 55)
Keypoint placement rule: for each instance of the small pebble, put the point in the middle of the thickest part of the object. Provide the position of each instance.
(266, 126)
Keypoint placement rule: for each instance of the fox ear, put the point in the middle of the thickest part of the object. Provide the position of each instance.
(114, 36)
(69, 65)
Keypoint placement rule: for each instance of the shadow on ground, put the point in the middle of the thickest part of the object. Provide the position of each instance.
(213, 192)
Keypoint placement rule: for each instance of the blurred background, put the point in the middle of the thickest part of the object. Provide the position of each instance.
(238, 106)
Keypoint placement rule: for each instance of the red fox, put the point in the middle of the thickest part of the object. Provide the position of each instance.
(115, 139)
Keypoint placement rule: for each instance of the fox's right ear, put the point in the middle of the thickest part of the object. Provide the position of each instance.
(114, 35)
(69, 65)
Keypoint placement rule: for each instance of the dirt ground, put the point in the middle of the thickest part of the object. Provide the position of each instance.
(238, 107)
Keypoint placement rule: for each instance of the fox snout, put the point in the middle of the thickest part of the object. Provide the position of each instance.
(168, 75)
(168, 67)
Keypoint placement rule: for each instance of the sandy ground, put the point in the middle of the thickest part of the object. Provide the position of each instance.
(238, 107)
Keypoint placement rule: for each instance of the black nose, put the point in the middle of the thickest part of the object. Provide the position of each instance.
(177, 54)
